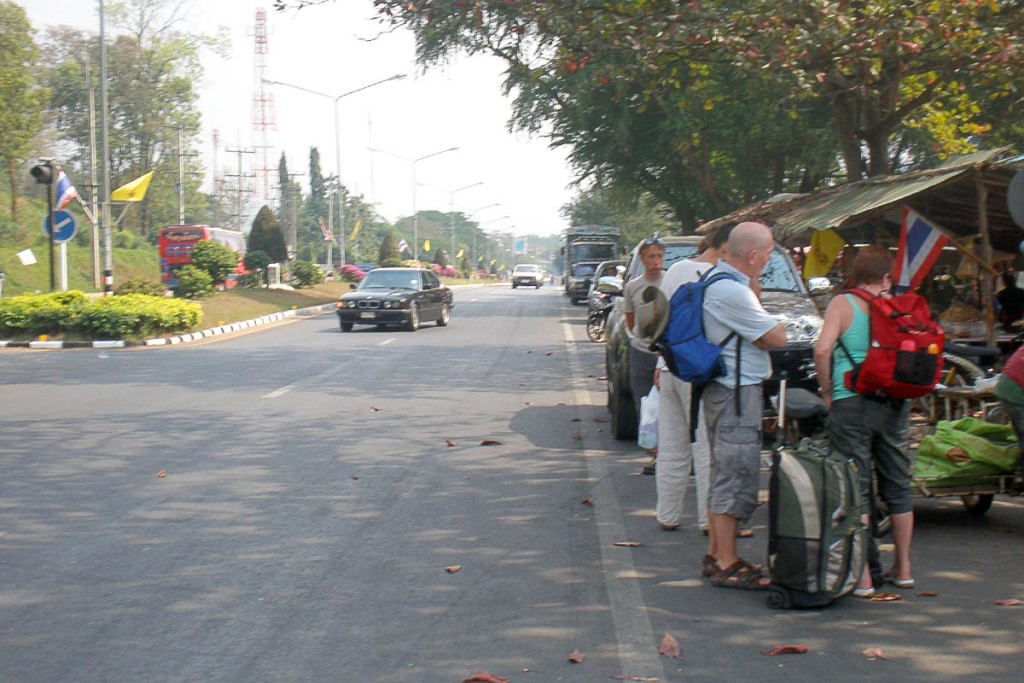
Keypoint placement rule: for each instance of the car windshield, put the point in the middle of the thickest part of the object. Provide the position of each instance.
(526, 269)
(778, 275)
(584, 270)
(390, 279)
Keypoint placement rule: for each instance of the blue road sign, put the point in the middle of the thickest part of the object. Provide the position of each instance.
(66, 226)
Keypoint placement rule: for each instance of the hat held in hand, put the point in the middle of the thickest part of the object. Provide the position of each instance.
(651, 316)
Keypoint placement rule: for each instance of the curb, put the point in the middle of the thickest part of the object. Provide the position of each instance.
(179, 339)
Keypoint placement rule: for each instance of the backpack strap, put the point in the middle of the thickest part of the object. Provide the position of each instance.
(709, 277)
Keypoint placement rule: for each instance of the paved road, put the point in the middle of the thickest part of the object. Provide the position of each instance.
(309, 506)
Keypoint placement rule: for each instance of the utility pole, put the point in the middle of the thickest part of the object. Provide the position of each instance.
(239, 190)
(290, 207)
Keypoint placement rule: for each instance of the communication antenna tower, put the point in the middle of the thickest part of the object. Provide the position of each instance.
(264, 118)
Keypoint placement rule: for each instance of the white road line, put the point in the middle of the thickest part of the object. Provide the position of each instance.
(638, 649)
(387, 341)
(281, 392)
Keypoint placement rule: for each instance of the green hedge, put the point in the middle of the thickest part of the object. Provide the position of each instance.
(132, 316)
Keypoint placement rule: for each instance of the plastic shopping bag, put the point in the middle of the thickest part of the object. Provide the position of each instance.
(647, 435)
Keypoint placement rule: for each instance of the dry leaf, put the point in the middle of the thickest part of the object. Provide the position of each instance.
(670, 647)
(874, 653)
(886, 597)
(355, 476)
(588, 501)
(561, 403)
(450, 443)
(927, 594)
(484, 677)
(626, 544)
(454, 568)
(627, 677)
(490, 442)
(527, 403)
(374, 409)
(548, 353)
(161, 474)
(575, 419)
(603, 378)
(786, 650)
(1012, 602)
(576, 657)
(576, 436)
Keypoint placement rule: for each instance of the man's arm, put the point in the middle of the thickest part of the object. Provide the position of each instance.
(774, 338)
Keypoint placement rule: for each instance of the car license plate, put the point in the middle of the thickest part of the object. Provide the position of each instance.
(367, 315)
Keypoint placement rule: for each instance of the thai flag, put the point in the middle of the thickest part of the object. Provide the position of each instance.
(921, 243)
(402, 246)
(66, 192)
(328, 237)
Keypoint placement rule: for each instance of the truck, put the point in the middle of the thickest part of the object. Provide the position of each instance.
(583, 248)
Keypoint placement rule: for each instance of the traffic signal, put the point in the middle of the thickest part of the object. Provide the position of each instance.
(43, 173)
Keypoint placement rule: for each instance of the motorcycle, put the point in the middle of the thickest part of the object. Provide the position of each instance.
(597, 315)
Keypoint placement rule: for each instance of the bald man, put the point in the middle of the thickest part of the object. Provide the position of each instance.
(732, 403)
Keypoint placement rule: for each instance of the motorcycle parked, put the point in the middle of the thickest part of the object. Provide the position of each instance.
(599, 305)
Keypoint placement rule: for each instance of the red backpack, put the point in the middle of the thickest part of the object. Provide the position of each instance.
(904, 358)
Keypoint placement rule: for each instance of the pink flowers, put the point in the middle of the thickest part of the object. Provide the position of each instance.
(351, 273)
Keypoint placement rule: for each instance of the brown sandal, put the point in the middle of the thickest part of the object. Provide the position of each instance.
(709, 566)
(741, 574)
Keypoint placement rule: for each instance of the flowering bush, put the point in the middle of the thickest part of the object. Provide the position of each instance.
(350, 273)
(482, 274)
(444, 271)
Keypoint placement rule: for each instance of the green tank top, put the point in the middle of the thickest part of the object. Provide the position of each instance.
(856, 340)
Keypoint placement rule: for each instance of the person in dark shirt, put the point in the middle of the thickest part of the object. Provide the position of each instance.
(1011, 300)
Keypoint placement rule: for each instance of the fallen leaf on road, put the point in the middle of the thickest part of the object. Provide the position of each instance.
(576, 657)
(454, 568)
(874, 653)
(576, 436)
(603, 378)
(548, 353)
(484, 677)
(561, 403)
(626, 544)
(1012, 602)
(670, 647)
(886, 597)
(490, 442)
(527, 403)
(588, 501)
(786, 650)
(374, 409)
(161, 474)
(355, 476)
(627, 677)
(575, 419)
(927, 594)
(450, 443)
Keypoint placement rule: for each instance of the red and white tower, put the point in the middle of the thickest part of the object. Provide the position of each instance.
(264, 118)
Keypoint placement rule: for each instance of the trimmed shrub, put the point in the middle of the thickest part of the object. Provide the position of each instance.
(135, 316)
(34, 314)
(138, 285)
(391, 263)
(306, 274)
(215, 259)
(194, 283)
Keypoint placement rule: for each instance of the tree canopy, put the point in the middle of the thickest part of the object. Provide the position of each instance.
(710, 105)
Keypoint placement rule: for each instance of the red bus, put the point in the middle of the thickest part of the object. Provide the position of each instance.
(176, 242)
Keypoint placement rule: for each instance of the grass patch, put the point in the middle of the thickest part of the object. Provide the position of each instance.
(236, 305)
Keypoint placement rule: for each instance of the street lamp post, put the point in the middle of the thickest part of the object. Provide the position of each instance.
(451, 210)
(337, 153)
(472, 254)
(415, 212)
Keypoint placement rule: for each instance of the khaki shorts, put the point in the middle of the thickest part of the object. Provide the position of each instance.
(735, 442)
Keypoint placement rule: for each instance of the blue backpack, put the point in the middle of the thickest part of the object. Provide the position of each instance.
(687, 352)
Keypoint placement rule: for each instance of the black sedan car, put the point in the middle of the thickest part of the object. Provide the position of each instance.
(396, 296)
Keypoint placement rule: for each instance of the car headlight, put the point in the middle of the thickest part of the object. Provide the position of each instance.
(804, 328)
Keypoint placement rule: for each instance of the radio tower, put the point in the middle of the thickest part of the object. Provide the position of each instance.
(264, 120)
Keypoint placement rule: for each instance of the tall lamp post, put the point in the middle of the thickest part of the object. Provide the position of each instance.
(337, 152)
(451, 209)
(415, 212)
(476, 228)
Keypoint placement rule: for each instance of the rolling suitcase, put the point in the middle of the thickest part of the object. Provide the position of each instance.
(817, 544)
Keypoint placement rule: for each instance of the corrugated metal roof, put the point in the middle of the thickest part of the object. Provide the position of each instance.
(855, 203)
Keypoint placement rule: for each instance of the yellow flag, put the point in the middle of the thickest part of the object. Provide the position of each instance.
(825, 246)
(461, 252)
(426, 245)
(355, 230)
(135, 191)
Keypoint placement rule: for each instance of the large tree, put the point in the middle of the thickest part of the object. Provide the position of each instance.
(708, 105)
(266, 236)
(153, 71)
(21, 98)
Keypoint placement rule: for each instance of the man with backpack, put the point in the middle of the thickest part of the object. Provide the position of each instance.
(732, 403)
(869, 428)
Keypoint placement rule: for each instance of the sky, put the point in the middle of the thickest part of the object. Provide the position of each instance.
(338, 47)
